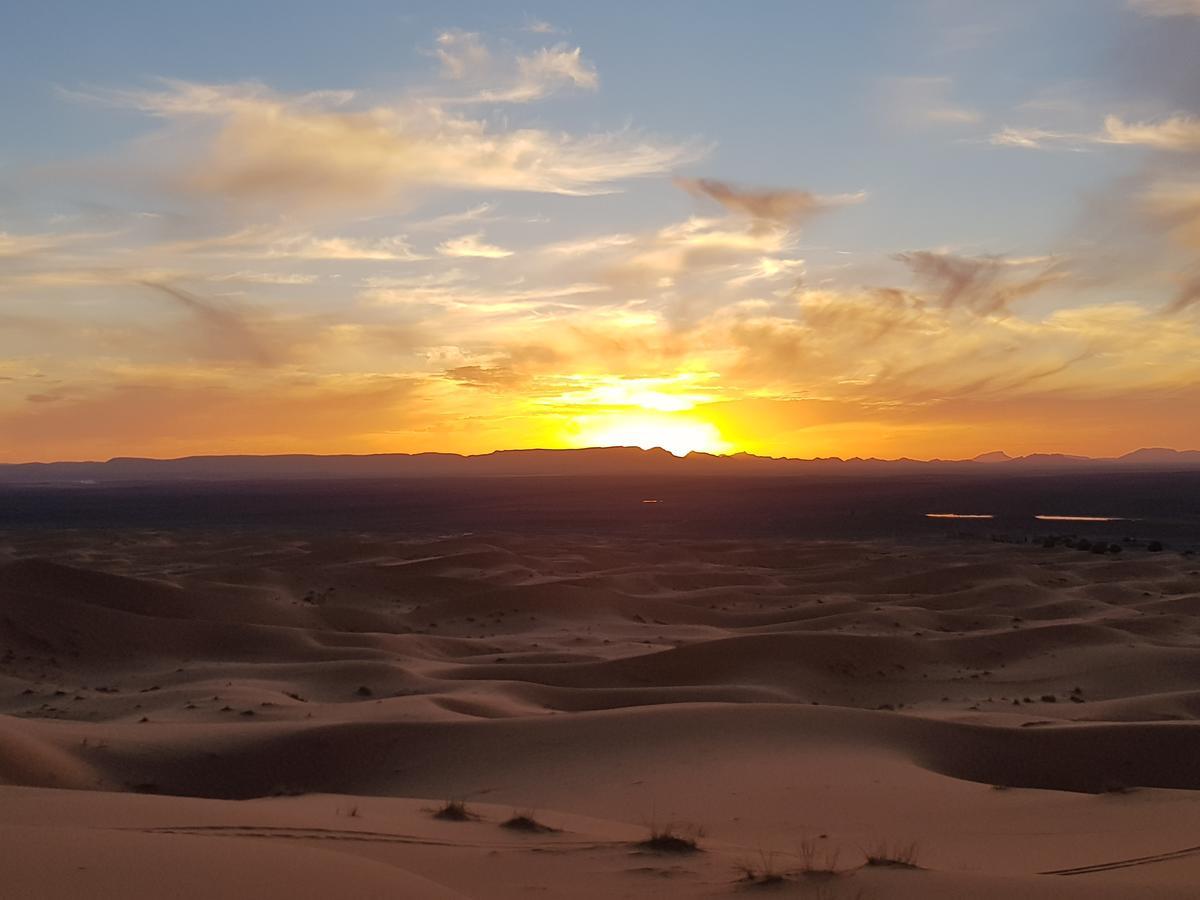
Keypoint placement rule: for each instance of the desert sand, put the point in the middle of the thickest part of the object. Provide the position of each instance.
(203, 714)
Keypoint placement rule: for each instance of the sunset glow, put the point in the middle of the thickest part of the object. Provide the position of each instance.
(449, 230)
(679, 436)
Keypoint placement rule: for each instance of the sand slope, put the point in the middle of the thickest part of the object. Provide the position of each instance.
(195, 714)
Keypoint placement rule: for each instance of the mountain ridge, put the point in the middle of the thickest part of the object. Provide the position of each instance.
(586, 461)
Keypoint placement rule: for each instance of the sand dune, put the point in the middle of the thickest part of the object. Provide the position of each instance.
(298, 705)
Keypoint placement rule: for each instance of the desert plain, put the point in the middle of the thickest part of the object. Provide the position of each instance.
(224, 712)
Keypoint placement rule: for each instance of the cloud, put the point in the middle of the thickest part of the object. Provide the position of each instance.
(251, 145)
(1038, 138)
(1166, 8)
(270, 242)
(1178, 132)
(1173, 204)
(588, 246)
(25, 244)
(694, 247)
(511, 78)
(472, 245)
(1171, 209)
(1187, 297)
(480, 212)
(224, 330)
(461, 53)
(917, 100)
(479, 302)
(540, 26)
(984, 285)
(283, 278)
(28, 245)
(773, 206)
(488, 377)
(1175, 133)
(551, 66)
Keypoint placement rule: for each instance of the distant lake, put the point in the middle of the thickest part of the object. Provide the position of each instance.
(1043, 518)
(1082, 518)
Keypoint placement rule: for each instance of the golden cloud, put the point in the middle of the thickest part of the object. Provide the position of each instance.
(254, 145)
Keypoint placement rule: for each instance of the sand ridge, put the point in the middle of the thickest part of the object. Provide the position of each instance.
(993, 703)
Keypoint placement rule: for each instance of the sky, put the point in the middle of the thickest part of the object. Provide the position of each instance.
(923, 229)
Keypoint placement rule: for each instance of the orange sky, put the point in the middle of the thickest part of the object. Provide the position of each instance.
(450, 257)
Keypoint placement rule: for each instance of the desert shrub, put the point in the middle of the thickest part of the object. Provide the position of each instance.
(763, 872)
(454, 811)
(525, 821)
(817, 858)
(903, 856)
(670, 838)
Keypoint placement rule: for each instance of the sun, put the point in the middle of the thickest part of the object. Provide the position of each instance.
(676, 435)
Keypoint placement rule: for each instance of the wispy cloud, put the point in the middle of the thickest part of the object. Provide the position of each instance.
(276, 242)
(226, 331)
(767, 206)
(984, 285)
(541, 26)
(925, 100)
(1178, 133)
(249, 144)
(1166, 8)
(472, 245)
(510, 77)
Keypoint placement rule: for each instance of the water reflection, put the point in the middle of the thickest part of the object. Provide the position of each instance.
(1082, 518)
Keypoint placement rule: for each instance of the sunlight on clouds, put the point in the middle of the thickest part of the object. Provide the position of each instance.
(336, 270)
(1179, 133)
(664, 394)
(523, 78)
(676, 435)
(472, 245)
(250, 144)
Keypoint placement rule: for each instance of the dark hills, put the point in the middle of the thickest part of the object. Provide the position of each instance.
(595, 461)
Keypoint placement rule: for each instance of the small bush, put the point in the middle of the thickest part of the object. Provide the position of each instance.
(454, 811)
(670, 839)
(818, 859)
(763, 873)
(902, 856)
(525, 821)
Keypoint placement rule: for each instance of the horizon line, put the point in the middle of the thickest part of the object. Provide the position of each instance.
(999, 456)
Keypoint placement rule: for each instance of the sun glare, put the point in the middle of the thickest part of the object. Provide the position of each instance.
(675, 435)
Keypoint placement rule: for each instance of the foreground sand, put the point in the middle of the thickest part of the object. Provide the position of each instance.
(202, 715)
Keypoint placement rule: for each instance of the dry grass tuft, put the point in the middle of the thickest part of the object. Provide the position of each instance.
(525, 821)
(817, 858)
(900, 856)
(454, 811)
(764, 872)
(671, 838)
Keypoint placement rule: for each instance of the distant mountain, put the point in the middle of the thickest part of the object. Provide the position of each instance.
(996, 456)
(594, 461)
(1161, 456)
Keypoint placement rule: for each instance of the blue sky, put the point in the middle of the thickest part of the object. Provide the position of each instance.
(214, 206)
